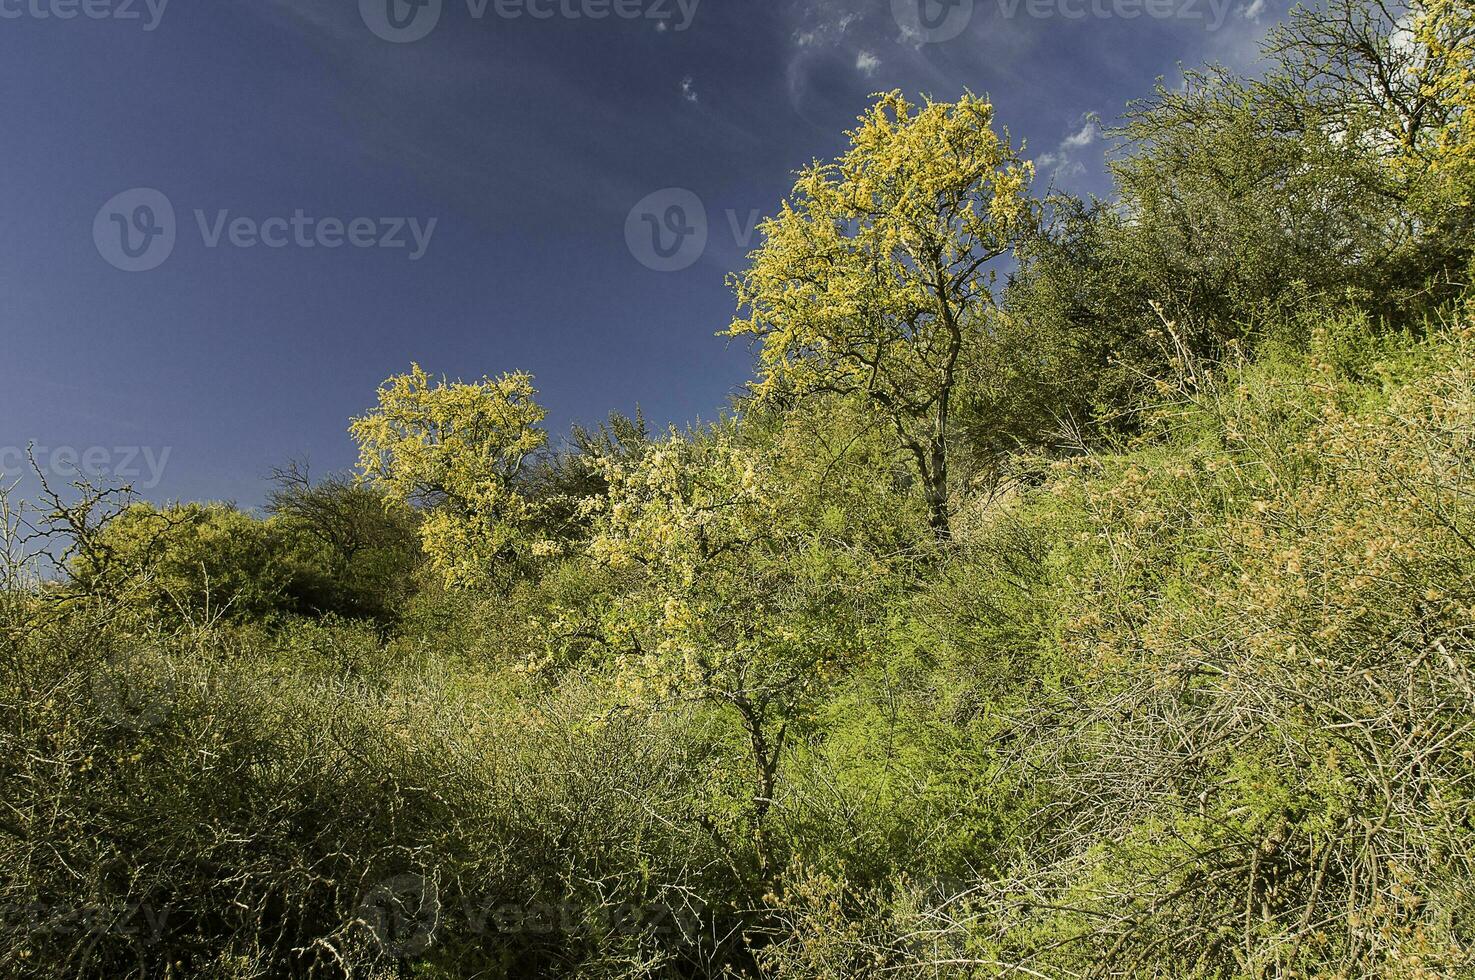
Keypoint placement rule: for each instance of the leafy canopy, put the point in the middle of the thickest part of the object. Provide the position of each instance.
(456, 449)
(746, 589)
(874, 275)
(737, 581)
(1445, 29)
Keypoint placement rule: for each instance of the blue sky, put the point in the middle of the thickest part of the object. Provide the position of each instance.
(527, 140)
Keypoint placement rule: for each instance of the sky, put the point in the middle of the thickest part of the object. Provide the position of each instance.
(226, 222)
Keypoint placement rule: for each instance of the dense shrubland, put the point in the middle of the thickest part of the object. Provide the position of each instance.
(1112, 619)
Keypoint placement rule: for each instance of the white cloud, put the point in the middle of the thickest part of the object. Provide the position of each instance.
(824, 27)
(867, 63)
(1254, 10)
(1063, 163)
(1085, 136)
(689, 89)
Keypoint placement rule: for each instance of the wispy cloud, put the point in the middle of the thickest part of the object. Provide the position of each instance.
(825, 27)
(1084, 136)
(689, 89)
(867, 63)
(1063, 163)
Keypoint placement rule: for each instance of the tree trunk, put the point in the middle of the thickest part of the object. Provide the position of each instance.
(937, 514)
(937, 477)
(765, 765)
(931, 462)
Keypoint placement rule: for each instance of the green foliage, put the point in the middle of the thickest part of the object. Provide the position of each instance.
(1444, 32)
(1208, 211)
(355, 553)
(1178, 679)
(747, 591)
(875, 276)
(559, 483)
(326, 549)
(1240, 201)
(237, 805)
(1222, 676)
(457, 450)
(196, 562)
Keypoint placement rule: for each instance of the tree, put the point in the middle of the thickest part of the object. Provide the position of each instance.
(1082, 296)
(357, 550)
(876, 275)
(1445, 30)
(1230, 193)
(1342, 62)
(457, 450)
(559, 482)
(1392, 80)
(1238, 200)
(191, 562)
(749, 593)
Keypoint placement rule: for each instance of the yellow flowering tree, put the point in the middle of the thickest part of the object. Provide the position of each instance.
(876, 274)
(746, 594)
(457, 450)
(1445, 30)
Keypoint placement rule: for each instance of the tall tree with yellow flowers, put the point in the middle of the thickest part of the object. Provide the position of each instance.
(877, 272)
(1445, 29)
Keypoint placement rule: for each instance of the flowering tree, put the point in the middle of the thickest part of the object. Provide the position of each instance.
(1445, 31)
(457, 450)
(874, 277)
(745, 598)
